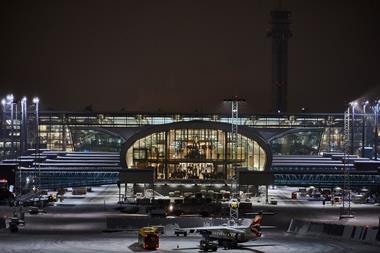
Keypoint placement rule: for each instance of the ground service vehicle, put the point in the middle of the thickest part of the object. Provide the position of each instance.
(208, 246)
(52, 197)
(5, 194)
(79, 191)
(13, 225)
(178, 232)
(148, 238)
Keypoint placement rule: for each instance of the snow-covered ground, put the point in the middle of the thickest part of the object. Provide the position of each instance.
(109, 195)
(276, 242)
(282, 194)
(77, 225)
(98, 195)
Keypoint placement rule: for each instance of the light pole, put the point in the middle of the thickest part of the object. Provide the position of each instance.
(24, 120)
(10, 101)
(346, 171)
(3, 103)
(234, 123)
(376, 126)
(363, 127)
(36, 102)
(353, 105)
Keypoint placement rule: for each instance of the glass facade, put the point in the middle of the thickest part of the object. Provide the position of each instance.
(88, 140)
(55, 137)
(56, 129)
(297, 143)
(332, 140)
(195, 154)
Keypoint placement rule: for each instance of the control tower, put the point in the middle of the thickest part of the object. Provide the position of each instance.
(280, 34)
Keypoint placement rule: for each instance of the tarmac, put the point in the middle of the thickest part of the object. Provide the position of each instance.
(126, 242)
(78, 223)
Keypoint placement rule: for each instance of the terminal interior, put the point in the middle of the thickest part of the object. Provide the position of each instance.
(195, 154)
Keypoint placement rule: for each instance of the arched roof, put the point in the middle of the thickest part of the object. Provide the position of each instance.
(248, 132)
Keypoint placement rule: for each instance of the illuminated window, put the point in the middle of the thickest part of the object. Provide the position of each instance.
(195, 154)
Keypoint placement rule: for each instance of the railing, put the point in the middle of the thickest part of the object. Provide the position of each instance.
(326, 180)
(56, 179)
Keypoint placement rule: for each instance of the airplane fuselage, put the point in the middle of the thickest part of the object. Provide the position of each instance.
(232, 236)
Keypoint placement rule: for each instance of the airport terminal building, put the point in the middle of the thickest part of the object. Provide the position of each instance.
(89, 148)
(185, 146)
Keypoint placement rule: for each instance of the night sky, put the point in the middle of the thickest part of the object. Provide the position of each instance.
(186, 56)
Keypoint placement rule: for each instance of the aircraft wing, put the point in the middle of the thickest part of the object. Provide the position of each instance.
(233, 229)
(261, 227)
(263, 213)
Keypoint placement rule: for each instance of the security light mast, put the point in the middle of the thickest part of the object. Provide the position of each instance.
(346, 211)
(234, 205)
(234, 120)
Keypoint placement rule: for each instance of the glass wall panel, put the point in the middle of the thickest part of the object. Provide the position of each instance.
(299, 143)
(332, 140)
(195, 154)
(92, 140)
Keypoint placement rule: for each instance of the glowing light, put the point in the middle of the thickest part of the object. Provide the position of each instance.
(354, 103)
(10, 97)
(36, 100)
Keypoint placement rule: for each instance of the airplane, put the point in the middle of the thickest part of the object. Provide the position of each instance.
(229, 236)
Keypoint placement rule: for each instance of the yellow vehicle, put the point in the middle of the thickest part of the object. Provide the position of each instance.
(52, 197)
(148, 238)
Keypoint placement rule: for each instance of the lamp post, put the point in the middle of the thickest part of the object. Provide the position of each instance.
(36, 102)
(23, 133)
(235, 101)
(353, 105)
(234, 136)
(363, 127)
(24, 120)
(3, 103)
(346, 176)
(376, 109)
(234, 123)
(10, 101)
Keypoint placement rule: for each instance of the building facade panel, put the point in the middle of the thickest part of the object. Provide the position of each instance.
(57, 130)
(196, 150)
